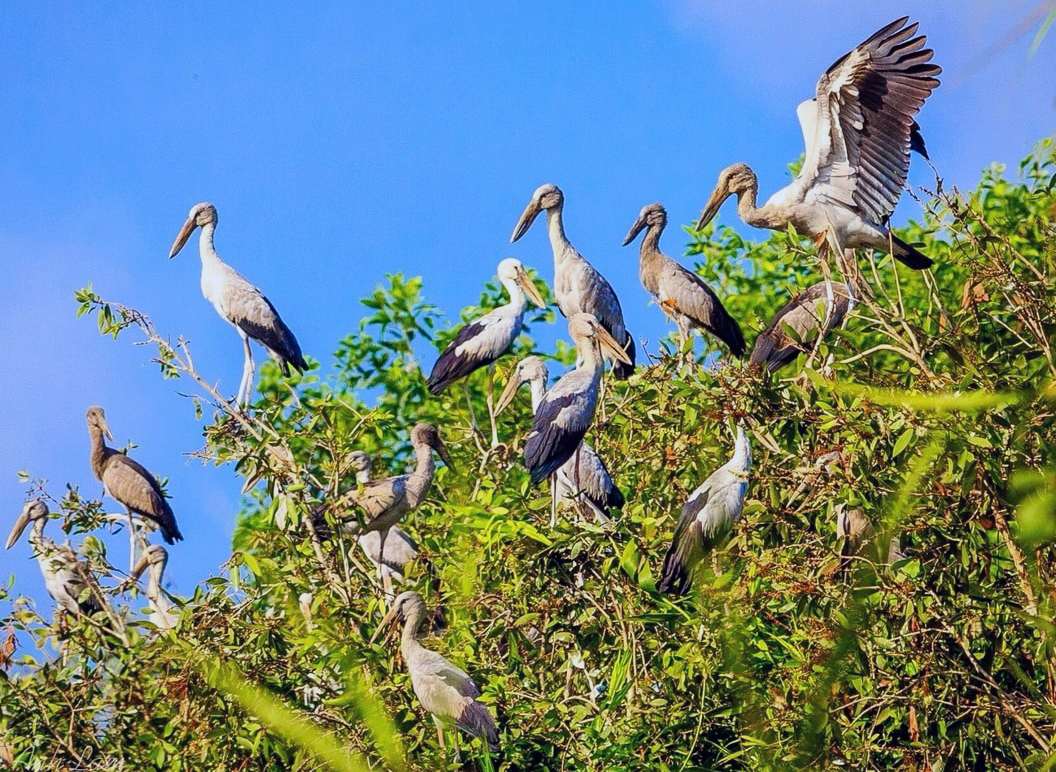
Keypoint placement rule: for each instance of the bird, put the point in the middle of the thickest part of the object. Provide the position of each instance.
(482, 341)
(63, 572)
(567, 410)
(129, 483)
(400, 549)
(578, 287)
(445, 690)
(684, 296)
(155, 557)
(709, 514)
(795, 328)
(583, 479)
(858, 130)
(385, 501)
(239, 302)
(854, 529)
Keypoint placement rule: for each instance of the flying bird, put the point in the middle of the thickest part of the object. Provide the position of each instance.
(683, 296)
(707, 517)
(799, 324)
(482, 341)
(583, 480)
(239, 302)
(859, 130)
(445, 690)
(567, 410)
(578, 287)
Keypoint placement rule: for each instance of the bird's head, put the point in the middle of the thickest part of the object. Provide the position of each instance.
(651, 216)
(547, 196)
(733, 180)
(34, 509)
(96, 419)
(585, 327)
(427, 435)
(154, 555)
(360, 461)
(407, 605)
(529, 370)
(201, 215)
(511, 269)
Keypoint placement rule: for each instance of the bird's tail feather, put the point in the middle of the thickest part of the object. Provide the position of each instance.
(909, 256)
(675, 578)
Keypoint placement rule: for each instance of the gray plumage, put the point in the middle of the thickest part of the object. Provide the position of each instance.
(578, 286)
(794, 328)
(239, 302)
(156, 557)
(854, 529)
(400, 549)
(567, 410)
(444, 689)
(683, 296)
(707, 517)
(62, 571)
(128, 482)
(859, 130)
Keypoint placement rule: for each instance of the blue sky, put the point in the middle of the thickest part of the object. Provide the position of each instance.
(345, 142)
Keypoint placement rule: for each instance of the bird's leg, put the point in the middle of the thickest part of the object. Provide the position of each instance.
(553, 500)
(131, 540)
(491, 405)
(439, 732)
(469, 404)
(830, 298)
(386, 586)
(248, 373)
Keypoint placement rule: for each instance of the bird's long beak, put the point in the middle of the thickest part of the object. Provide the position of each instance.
(508, 393)
(181, 239)
(529, 288)
(385, 623)
(718, 196)
(20, 526)
(139, 568)
(441, 450)
(105, 428)
(609, 344)
(530, 213)
(634, 231)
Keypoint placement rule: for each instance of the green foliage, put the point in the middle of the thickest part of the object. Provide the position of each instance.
(932, 411)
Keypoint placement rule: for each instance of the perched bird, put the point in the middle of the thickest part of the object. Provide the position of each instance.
(63, 573)
(684, 296)
(567, 410)
(444, 690)
(239, 302)
(128, 482)
(795, 328)
(707, 517)
(583, 480)
(854, 530)
(858, 131)
(482, 341)
(578, 287)
(387, 500)
(155, 557)
(400, 549)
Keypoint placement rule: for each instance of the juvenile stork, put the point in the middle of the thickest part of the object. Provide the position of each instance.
(683, 296)
(799, 325)
(400, 549)
(583, 480)
(858, 131)
(707, 517)
(578, 287)
(155, 557)
(387, 500)
(239, 302)
(567, 410)
(480, 342)
(63, 573)
(446, 691)
(129, 483)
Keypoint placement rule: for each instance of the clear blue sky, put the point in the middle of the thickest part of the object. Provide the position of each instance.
(345, 141)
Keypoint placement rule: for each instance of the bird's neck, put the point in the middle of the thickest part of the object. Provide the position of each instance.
(36, 536)
(518, 300)
(409, 638)
(746, 208)
(205, 244)
(99, 451)
(159, 601)
(538, 392)
(590, 358)
(422, 476)
(363, 476)
(742, 454)
(651, 241)
(555, 228)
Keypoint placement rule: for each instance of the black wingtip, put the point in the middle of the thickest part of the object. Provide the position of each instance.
(916, 141)
(909, 256)
(624, 371)
(675, 579)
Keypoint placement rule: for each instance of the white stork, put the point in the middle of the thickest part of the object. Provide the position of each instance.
(239, 302)
(578, 287)
(129, 483)
(683, 296)
(567, 410)
(858, 131)
(63, 573)
(807, 318)
(708, 515)
(583, 480)
(445, 690)
(482, 341)
(156, 557)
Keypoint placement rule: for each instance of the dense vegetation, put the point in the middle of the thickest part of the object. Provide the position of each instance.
(938, 397)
